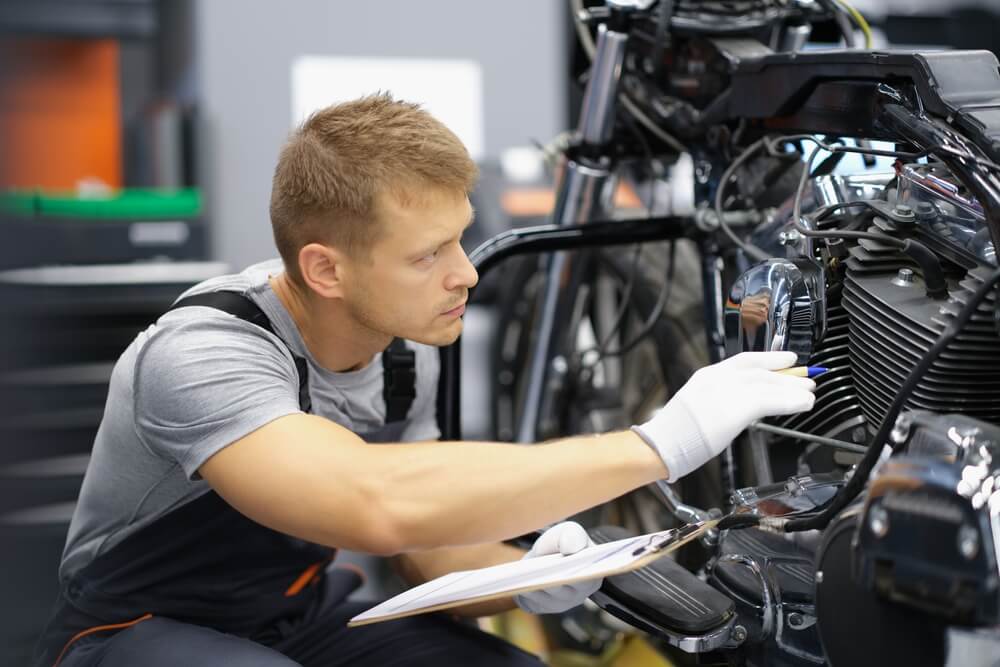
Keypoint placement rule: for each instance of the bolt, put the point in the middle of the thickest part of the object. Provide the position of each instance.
(859, 434)
(795, 620)
(739, 634)
(878, 521)
(790, 237)
(903, 211)
(900, 430)
(968, 542)
(925, 209)
(905, 276)
(559, 365)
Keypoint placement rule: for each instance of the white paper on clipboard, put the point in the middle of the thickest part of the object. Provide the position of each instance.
(596, 562)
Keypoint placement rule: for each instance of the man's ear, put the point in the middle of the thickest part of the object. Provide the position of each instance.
(322, 269)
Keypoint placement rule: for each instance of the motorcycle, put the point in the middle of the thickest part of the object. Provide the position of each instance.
(867, 530)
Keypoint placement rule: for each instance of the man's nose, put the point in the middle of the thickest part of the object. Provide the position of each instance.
(463, 275)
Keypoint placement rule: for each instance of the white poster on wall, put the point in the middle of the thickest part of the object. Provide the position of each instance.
(451, 90)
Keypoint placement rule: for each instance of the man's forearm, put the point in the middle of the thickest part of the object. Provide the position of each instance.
(438, 494)
(313, 479)
(420, 566)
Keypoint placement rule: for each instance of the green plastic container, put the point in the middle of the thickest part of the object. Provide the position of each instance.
(132, 203)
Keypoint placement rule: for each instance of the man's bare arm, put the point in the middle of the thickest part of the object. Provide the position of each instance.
(309, 477)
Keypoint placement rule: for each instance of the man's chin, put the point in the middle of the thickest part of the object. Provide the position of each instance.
(440, 337)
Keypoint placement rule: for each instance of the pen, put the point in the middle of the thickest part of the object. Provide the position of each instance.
(803, 371)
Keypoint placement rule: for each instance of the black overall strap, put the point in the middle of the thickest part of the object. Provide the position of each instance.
(399, 386)
(244, 308)
(398, 362)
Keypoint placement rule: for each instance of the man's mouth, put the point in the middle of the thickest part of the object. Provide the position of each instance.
(456, 311)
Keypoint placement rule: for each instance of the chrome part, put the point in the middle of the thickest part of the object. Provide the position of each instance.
(726, 635)
(794, 37)
(777, 305)
(808, 437)
(904, 278)
(585, 194)
(972, 647)
(878, 521)
(768, 595)
(708, 220)
(597, 115)
(795, 495)
(968, 542)
(630, 5)
(835, 189)
(686, 513)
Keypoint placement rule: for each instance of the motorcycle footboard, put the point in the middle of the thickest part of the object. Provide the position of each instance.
(663, 594)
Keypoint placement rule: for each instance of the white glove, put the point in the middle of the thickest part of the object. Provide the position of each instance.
(718, 402)
(565, 538)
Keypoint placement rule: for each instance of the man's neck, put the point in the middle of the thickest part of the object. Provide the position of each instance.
(335, 340)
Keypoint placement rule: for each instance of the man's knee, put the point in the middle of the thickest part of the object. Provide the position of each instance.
(159, 642)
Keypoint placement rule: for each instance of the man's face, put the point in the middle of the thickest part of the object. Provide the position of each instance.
(416, 280)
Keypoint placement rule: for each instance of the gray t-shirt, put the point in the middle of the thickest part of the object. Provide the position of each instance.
(200, 379)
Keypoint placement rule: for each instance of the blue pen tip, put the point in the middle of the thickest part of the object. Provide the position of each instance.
(813, 371)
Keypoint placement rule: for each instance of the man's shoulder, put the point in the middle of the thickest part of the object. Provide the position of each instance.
(249, 281)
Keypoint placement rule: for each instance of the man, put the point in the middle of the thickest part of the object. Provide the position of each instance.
(236, 451)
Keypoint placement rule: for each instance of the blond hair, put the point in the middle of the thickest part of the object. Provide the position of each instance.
(336, 163)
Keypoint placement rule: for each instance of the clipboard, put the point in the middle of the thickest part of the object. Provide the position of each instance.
(532, 574)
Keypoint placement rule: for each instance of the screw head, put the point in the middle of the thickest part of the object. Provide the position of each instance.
(789, 237)
(878, 521)
(559, 365)
(901, 429)
(795, 620)
(968, 542)
(739, 634)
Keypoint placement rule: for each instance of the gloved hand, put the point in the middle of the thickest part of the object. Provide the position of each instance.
(566, 538)
(718, 402)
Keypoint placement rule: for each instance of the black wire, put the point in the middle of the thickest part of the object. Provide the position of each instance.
(854, 486)
(647, 150)
(662, 37)
(843, 21)
(833, 233)
(738, 521)
(772, 143)
(654, 316)
(622, 307)
(749, 248)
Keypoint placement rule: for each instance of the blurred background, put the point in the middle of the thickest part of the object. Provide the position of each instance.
(137, 143)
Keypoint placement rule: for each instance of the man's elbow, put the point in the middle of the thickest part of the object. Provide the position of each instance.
(378, 529)
(383, 539)
(388, 524)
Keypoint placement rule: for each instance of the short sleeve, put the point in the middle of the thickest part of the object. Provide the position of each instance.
(423, 423)
(202, 384)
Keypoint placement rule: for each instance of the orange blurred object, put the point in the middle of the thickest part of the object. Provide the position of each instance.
(60, 112)
(539, 202)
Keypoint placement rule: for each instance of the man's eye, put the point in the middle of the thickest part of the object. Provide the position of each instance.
(427, 259)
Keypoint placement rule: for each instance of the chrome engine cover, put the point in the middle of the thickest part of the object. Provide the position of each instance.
(777, 305)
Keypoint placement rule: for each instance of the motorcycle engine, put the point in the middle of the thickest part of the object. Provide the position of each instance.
(873, 320)
(915, 562)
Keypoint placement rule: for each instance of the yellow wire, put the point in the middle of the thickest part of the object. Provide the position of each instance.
(860, 20)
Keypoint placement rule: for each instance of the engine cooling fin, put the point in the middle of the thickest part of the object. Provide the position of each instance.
(893, 324)
(836, 399)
